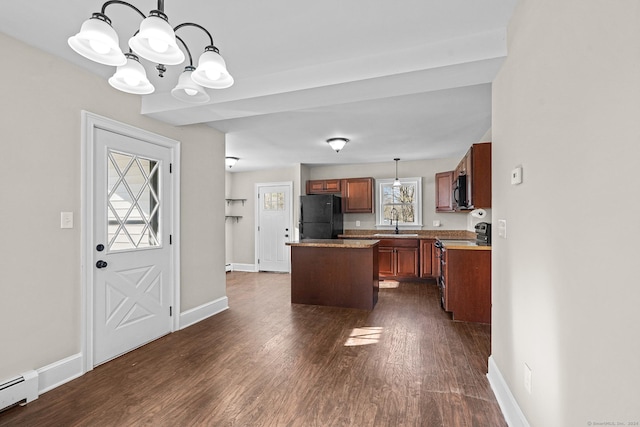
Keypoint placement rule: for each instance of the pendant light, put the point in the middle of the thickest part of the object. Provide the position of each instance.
(396, 182)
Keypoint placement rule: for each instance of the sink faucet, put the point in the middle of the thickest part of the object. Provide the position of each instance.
(394, 212)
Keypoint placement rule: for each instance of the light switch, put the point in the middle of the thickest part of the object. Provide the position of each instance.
(502, 228)
(66, 219)
(516, 176)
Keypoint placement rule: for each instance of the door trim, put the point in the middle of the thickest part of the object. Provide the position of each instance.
(91, 122)
(257, 217)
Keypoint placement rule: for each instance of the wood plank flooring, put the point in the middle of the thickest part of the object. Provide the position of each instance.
(267, 362)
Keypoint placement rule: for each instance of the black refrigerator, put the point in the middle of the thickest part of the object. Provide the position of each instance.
(320, 216)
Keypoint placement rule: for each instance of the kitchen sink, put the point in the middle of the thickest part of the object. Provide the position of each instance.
(394, 235)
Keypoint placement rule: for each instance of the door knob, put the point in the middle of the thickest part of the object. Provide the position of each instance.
(101, 264)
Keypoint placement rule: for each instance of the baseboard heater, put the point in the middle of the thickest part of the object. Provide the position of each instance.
(22, 390)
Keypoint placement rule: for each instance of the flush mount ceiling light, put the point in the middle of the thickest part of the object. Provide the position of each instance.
(155, 41)
(230, 161)
(337, 143)
(396, 182)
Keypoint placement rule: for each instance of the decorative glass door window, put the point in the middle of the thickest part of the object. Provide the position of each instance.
(401, 204)
(273, 202)
(132, 201)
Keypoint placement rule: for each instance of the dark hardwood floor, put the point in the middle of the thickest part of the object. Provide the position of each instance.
(266, 362)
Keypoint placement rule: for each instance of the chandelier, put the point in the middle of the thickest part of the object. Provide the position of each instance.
(155, 41)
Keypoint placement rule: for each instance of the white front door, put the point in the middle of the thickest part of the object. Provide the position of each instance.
(132, 260)
(274, 227)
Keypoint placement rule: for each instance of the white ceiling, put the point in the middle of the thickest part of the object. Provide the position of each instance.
(408, 79)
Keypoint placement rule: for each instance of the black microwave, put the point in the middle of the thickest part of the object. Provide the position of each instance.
(460, 192)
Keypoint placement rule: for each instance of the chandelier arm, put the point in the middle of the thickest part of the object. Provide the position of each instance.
(191, 24)
(187, 49)
(110, 2)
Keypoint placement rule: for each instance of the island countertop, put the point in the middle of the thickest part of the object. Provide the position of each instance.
(335, 243)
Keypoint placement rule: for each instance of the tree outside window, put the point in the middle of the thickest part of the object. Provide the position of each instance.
(401, 204)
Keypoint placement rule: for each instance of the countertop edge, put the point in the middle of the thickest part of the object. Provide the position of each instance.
(336, 243)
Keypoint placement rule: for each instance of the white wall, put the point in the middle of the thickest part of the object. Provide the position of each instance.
(40, 285)
(566, 292)
(243, 187)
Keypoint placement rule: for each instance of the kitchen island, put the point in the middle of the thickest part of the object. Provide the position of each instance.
(335, 272)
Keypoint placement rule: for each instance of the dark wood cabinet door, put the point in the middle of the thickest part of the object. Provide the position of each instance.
(324, 186)
(444, 196)
(406, 262)
(332, 185)
(386, 261)
(357, 195)
(427, 262)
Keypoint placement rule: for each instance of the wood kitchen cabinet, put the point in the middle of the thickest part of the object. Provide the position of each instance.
(466, 279)
(357, 195)
(324, 186)
(444, 195)
(429, 262)
(476, 167)
(398, 258)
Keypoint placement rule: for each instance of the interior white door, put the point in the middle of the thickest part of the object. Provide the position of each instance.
(133, 287)
(274, 227)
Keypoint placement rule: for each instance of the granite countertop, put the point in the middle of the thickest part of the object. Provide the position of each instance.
(335, 243)
(464, 244)
(409, 234)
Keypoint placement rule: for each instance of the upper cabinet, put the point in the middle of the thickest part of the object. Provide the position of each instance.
(357, 193)
(471, 181)
(444, 185)
(324, 186)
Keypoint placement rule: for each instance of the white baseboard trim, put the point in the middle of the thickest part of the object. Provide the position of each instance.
(249, 268)
(60, 372)
(200, 313)
(227, 267)
(510, 409)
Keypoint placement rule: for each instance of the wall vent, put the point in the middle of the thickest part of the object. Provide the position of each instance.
(22, 390)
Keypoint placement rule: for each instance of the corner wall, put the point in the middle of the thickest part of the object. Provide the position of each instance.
(566, 107)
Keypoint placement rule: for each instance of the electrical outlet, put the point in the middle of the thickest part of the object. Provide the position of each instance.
(436, 223)
(527, 378)
(357, 223)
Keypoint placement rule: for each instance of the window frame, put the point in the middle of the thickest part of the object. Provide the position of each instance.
(384, 224)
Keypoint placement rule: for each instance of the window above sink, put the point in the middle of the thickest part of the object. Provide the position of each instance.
(403, 203)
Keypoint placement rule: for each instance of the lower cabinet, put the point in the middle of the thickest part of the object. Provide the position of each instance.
(466, 279)
(399, 258)
(429, 262)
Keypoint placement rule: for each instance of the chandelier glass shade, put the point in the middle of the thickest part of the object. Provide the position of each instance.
(189, 91)
(98, 41)
(131, 77)
(157, 42)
